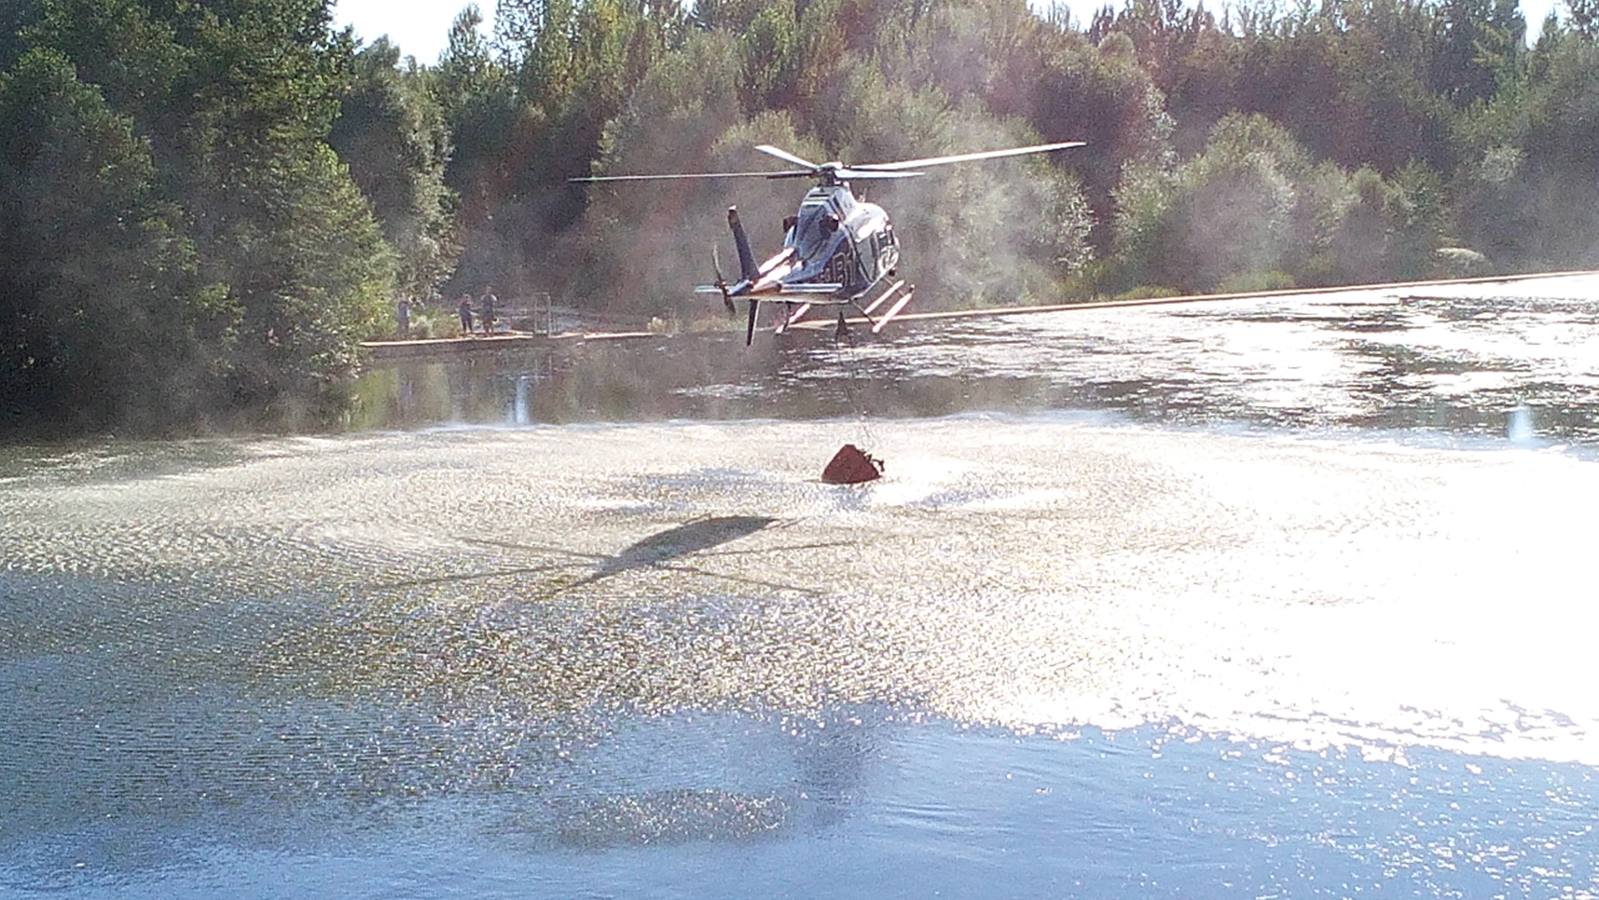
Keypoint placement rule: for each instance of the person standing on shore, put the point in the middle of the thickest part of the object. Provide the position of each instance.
(485, 305)
(464, 307)
(402, 317)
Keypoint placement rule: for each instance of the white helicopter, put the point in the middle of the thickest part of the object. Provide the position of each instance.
(838, 250)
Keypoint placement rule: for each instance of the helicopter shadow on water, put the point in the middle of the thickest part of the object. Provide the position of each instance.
(669, 549)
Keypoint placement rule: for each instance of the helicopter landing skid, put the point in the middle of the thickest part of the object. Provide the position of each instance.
(882, 298)
(894, 309)
(793, 312)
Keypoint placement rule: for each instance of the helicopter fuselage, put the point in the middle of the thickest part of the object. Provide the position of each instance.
(839, 239)
(836, 250)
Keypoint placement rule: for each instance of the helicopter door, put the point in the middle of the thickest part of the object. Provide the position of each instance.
(841, 268)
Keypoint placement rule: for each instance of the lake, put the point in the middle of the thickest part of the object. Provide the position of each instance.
(1269, 598)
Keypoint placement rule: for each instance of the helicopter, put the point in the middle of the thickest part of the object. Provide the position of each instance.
(838, 250)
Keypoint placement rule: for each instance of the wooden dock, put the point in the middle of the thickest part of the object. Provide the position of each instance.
(494, 343)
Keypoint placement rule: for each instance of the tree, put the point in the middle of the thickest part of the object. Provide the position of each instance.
(1497, 216)
(1229, 212)
(1584, 17)
(238, 98)
(392, 135)
(1068, 89)
(466, 69)
(770, 49)
(1422, 220)
(685, 103)
(1361, 241)
(1562, 171)
(16, 17)
(317, 277)
(105, 319)
(486, 126)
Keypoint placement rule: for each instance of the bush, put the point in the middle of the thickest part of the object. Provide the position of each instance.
(1253, 282)
(428, 325)
(1148, 292)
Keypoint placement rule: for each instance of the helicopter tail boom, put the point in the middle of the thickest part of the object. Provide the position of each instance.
(815, 293)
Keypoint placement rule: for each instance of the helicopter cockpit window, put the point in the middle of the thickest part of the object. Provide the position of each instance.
(816, 229)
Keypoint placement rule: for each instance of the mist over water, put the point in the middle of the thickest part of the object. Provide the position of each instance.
(1270, 597)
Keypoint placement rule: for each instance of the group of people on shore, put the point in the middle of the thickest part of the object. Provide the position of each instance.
(484, 313)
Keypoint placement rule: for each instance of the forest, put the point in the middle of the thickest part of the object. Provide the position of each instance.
(206, 204)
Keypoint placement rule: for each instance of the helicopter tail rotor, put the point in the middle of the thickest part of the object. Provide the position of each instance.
(721, 282)
(727, 294)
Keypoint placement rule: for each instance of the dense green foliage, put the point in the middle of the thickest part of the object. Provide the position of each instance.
(204, 204)
(391, 133)
(102, 287)
(180, 238)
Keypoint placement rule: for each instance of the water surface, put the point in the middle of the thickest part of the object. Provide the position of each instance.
(1275, 598)
(1458, 360)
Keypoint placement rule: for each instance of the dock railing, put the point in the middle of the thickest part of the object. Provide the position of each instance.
(535, 314)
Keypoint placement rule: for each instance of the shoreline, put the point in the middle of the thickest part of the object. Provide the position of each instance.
(447, 347)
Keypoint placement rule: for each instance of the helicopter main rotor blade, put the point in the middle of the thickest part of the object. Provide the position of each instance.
(788, 157)
(905, 164)
(692, 175)
(850, 173)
